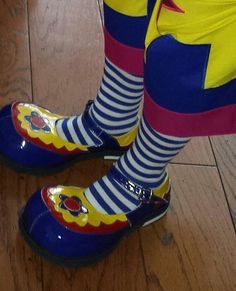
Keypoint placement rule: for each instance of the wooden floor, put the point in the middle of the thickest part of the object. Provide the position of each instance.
(53, 50)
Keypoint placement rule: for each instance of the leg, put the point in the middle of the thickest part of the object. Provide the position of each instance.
(144, 164)
(115, 109)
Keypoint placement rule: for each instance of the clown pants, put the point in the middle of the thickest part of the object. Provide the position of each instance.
(186, 51)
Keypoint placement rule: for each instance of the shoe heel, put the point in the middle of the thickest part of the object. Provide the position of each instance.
(154, 219)
(112, 157)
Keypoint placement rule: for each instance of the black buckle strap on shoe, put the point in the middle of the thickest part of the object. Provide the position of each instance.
(107, 141)
(144, 194)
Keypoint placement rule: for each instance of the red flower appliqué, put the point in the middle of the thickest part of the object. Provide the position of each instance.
(37, 122)
(72, 204)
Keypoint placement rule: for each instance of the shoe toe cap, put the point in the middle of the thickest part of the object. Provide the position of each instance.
(51, 238)
(21, 151)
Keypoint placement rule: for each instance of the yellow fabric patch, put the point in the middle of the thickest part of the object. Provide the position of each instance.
(128, 138)
(163, 189)
(152, 32)
(134, 8)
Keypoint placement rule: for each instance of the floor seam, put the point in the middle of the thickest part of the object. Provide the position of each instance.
(30, 54)
(222, 184)
(197, 165)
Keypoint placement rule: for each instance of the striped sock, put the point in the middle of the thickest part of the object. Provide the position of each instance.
(115, 109)
(145, 164)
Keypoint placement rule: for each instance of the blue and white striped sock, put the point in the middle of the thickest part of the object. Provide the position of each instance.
(144, 163)
(115, 109)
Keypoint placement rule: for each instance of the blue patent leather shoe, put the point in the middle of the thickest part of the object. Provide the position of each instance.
(29, 140)
(62, 226)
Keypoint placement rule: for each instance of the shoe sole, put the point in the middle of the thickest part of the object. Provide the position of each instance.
(108, 155)
(74, 263)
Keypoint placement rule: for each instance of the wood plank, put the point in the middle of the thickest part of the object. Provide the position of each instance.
(19, 268)
(225, 152)
(5, 270)
(197, 152)
(14, 52)
(194, 246)
(67, 53)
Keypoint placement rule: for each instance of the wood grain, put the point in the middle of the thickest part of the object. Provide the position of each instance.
(194, 246)
(197, 152)
(5, 270)
(14, 52)
(19, 268)
(225, 152)
(67, 53)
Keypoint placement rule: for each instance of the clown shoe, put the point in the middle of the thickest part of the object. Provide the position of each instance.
(61, 225)
(29, 140)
